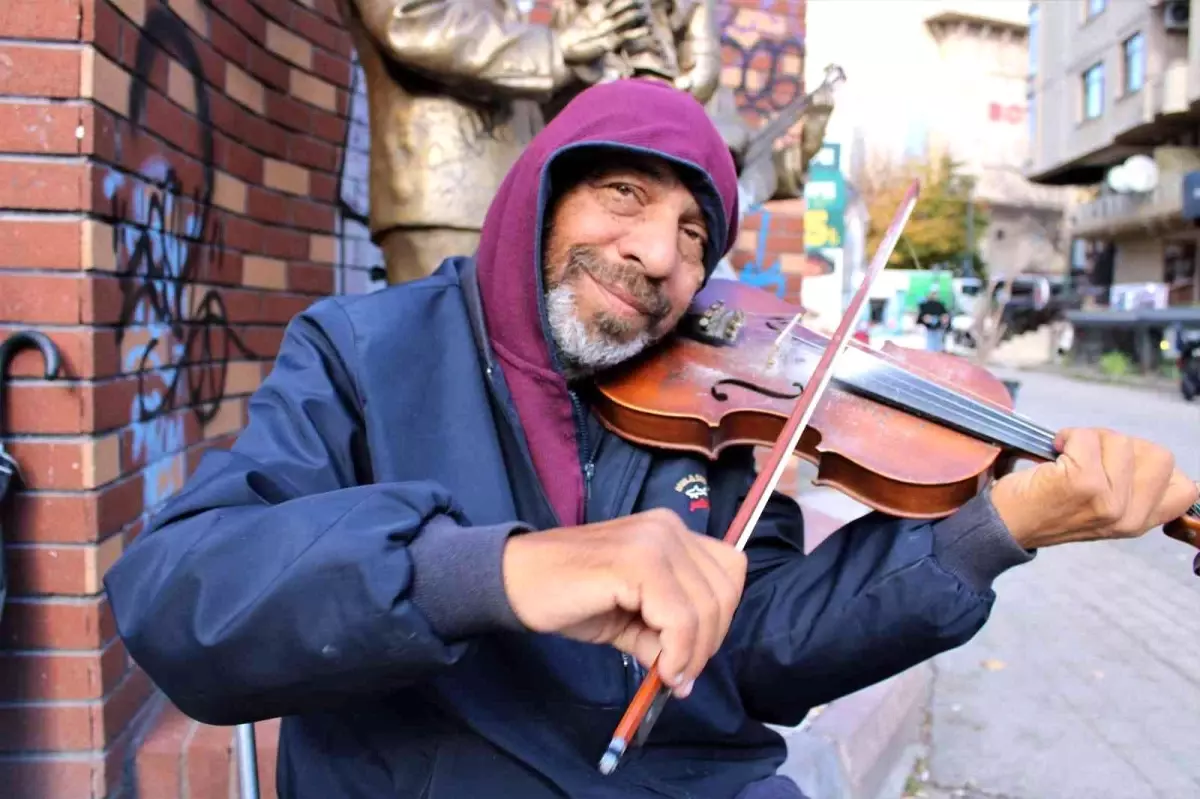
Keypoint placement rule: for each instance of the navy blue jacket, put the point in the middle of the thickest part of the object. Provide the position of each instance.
(340, 567)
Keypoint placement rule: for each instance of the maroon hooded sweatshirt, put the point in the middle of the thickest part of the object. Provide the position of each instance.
(632, 115)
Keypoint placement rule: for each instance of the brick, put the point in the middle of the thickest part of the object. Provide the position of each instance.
(96, 246)
(135, 10)
(38, 298)
(332, 68)
(313, 153)
(66, 465)
(39, 71)
(229, 192)
(289, 112)
(104, 81)
(160, 760)
(59, 623)
(322, 249)
(269, 68)
(285, 177)
(71, 676)
(267, 205)
(318, 31)
(310, 278)
(243, 88)
(247, 18)
(191, 12)
(310, 215)
(312, 90)
(61, 570)
(39, 128)
(83, 775)
(51, 727)
(44, 185)
(40, 19)
(181, 86)
(36, 243)
(289, 46)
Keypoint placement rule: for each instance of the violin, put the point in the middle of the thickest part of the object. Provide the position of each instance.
(911, 433)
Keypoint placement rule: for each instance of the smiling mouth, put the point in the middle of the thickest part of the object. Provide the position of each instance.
(622, 296)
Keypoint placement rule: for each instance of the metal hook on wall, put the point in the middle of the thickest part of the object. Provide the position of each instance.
(25, 339)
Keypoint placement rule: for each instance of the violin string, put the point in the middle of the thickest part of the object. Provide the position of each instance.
(896, 378)
(994, 414)
(1003, 418)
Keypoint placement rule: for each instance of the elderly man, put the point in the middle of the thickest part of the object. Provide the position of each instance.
(428, 557)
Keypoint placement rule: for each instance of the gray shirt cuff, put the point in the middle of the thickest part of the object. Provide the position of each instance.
(458, 580)
(975, 545)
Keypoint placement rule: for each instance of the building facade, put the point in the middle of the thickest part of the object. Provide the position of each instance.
(1110, 81)
(945, 76)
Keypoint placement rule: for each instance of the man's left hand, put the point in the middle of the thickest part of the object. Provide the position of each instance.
(1103, 485)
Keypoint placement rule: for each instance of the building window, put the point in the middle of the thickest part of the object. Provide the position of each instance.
(1034, 19)
(1135, 62)
(1094, 7)
(1093, 92)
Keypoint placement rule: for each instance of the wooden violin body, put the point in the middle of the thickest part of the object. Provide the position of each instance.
(909, 432)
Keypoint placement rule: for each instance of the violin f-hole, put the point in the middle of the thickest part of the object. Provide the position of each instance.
(721, 396)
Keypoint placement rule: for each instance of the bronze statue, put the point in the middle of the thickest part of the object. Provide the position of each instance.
(453, 89)
(681, 46)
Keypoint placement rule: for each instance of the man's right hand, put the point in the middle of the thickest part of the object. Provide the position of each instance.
(585, 39)
(645, 584)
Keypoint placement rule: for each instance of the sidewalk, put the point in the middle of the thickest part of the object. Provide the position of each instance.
(862, 746)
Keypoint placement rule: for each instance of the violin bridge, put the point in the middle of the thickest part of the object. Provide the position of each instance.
(784, 334)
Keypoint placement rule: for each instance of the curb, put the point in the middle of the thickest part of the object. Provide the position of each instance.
(864, 745)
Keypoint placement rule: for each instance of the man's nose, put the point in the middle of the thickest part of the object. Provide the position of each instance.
(654, 244)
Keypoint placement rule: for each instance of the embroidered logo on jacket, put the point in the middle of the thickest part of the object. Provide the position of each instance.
(695, 488)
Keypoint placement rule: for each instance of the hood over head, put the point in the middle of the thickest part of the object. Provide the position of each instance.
(631, 115)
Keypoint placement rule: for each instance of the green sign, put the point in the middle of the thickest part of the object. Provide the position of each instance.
(825, 200)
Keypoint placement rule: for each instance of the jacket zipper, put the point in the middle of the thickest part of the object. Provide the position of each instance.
(633, 669)
(585, 453)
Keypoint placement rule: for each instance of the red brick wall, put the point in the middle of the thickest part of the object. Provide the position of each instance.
(177, 180)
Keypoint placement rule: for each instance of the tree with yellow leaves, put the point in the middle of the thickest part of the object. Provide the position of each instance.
(936, 234)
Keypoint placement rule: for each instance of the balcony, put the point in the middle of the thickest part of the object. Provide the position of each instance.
(1114, 215)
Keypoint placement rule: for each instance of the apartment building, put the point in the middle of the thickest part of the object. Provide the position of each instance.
(1111, 80)
(933, 76)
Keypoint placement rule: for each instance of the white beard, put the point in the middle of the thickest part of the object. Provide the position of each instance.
(582, 352)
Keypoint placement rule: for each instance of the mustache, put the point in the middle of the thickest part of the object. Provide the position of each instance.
(623, 276)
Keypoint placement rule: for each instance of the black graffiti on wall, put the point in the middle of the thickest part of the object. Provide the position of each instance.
(768, 67)
(167, 242)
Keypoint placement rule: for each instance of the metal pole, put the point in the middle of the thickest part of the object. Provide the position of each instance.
(247, 758)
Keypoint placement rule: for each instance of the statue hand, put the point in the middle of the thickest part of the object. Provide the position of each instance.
(584, 40)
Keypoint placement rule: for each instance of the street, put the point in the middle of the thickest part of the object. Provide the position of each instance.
(1086, 680)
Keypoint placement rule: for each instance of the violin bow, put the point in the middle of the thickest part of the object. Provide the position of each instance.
(652, 695)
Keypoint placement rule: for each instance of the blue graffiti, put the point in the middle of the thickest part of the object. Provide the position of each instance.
(757, 272)
(156, 436)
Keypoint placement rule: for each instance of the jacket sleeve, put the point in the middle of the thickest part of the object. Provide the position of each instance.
(466, 45)
(282, 580)
(878, 596)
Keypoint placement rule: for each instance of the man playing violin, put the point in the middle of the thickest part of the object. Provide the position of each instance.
(430, 559)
